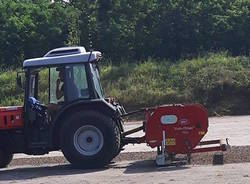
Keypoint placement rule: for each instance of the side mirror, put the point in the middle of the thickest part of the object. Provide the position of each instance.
(19, 80)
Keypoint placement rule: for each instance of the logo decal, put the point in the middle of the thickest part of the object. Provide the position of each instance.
(184, 121)
(170, 142)
(168, 119)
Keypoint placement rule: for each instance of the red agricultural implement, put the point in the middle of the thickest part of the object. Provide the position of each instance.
(175, 129)
(65, 109)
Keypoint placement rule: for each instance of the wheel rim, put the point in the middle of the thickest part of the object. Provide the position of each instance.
(88, 140)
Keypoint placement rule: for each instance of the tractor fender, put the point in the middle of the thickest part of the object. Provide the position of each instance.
(98, 105)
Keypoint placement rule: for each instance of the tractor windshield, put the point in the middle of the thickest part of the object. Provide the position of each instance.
(70, 82)
(96, 80)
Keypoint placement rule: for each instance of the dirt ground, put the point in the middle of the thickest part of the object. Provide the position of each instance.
(236, 154)
(131, 168)
(128, 172)
(138, 166)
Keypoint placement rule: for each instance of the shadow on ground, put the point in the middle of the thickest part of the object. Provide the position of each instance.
(42, 171)
(32, 172)
(144, 166)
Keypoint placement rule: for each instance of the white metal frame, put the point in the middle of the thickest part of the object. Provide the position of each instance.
(68, 58)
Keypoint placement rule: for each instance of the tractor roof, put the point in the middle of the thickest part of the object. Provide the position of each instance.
(64, 55)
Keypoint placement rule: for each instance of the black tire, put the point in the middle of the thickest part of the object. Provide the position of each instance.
(119, 150)
(121, 145)
(5, 158)
(73, 147)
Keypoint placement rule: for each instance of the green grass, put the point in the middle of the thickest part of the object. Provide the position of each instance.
(10, 94)
(218, 81)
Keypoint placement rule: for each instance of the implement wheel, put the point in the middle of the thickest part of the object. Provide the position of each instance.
(5, 158)
(90, 139)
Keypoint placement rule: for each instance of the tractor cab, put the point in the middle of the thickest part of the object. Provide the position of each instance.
(63, 76)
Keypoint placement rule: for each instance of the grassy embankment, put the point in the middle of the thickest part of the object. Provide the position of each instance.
(218, 81)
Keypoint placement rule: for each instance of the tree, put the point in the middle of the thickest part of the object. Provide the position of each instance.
(31, 28)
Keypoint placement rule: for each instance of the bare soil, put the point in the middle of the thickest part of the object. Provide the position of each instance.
(237, 154)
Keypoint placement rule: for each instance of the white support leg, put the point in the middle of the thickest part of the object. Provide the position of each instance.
(161, 158)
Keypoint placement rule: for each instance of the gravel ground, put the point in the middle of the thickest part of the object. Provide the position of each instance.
(138, 166)
(237, 154)
(128, 172)
(132, 168)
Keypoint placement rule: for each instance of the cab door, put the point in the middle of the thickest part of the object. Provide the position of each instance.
(36, 118)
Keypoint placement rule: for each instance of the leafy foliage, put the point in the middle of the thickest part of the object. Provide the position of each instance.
(30, 28)
(149, 45)
(124, 30)
(218, 81)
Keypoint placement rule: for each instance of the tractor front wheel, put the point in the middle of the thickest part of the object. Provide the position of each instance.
(5, 158)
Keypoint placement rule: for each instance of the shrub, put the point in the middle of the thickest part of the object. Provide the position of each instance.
(218, 81)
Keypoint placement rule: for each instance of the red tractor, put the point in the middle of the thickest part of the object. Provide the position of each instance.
(65, 109)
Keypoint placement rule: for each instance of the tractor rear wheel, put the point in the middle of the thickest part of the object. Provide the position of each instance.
(5, 158)
(90, 139)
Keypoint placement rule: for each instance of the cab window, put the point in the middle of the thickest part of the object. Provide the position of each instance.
(77, 84)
